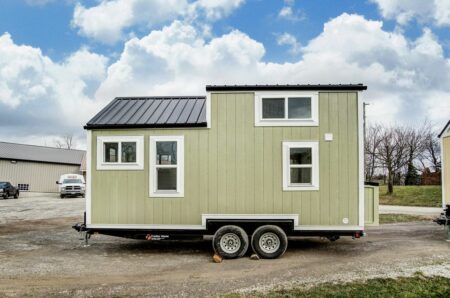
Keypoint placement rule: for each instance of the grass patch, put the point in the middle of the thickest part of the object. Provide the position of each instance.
(394, 218)
(416, 286)
(412, 195)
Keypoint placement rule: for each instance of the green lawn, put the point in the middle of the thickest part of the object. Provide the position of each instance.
(394, 218)
(426, 195)
(416, 286)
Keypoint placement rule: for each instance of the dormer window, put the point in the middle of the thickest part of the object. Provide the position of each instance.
(286, 109)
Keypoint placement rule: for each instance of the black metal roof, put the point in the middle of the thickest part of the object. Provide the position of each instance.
(356, 87)
(159, 111)
(443, 130)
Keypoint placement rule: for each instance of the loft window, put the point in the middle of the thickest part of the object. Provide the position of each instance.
(166, 166)
(120, 153)
(286, 109)
(300, 166)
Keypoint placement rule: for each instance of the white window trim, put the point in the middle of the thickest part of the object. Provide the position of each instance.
(153, 192)
(138, 165)
(315, 166)
(314, 121)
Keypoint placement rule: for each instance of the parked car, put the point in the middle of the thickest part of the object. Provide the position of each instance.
(71, 185)
(8, 190)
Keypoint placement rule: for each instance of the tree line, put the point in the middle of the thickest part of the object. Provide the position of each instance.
(400, 153)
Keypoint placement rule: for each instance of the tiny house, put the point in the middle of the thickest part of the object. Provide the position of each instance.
(444, 219)
(249, 164)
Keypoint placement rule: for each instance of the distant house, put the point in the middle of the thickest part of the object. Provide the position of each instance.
(445, 160)
(36, 168)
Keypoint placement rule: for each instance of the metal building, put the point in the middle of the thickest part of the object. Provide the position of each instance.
(37, 168)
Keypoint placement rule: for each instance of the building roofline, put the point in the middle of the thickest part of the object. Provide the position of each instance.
(42, 146)
(319, 87)
(41, 161)
(444, 129)
(131, 126)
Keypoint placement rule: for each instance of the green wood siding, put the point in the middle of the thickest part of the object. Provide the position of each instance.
(371, 199)
(236, 168)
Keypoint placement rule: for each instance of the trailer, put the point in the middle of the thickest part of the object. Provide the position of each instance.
(249, 164)
(444, 218)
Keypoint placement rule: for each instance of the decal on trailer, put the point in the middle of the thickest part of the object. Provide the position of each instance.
(156, 237)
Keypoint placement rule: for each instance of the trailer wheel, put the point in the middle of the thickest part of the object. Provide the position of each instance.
(269, 242)
(61, 196)
(230, 242)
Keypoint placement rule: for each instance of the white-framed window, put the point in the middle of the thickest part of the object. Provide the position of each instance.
(286, 108)
(166, 166)
(300, 166)
(120, 153)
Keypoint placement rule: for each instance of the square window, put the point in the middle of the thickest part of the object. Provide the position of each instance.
(273, 108)
(167, 178)
(300, 156)
(128, 151)
(166, 153)
(300, 175)
(111, 151)
(299, 107)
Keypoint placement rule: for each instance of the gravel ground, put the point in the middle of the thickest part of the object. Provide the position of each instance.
(40, 255)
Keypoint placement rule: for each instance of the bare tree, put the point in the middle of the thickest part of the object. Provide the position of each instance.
(415, 142)
(65, 142)
(431, 154)
(371, 147)
(393, 152)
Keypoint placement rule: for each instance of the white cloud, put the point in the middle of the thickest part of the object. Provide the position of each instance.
(400, 73)
(108, 21)
(403, 11)
(288, 39)
(408, 80)
(39, 96)
(287, 12)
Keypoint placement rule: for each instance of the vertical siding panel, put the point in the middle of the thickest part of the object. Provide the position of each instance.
(249, 154)
(352, 151)
(203, 176)
(240, 153)
(277, 197)
(231, 154)
(343, 158)
(334, 158)
(222, 154)
(259, 169)
(324, 160)
(213, 156)
(286, 195)
(192, 198)
(268, 170)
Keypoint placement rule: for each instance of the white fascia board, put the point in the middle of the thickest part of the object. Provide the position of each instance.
(360, 159)
(89, 177)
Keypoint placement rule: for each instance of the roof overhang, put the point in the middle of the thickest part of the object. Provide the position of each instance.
(132, 126)
(331, 87)
(445, 129)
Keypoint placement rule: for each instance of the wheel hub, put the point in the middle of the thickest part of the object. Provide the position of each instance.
(230, 243)
(269, 242)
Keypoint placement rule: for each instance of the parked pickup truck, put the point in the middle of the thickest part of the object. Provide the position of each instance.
(71, 185)
(8, 190)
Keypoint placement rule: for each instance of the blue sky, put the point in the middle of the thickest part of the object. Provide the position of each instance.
(101, 49)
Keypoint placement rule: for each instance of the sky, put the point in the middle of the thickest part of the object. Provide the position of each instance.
(61, 61)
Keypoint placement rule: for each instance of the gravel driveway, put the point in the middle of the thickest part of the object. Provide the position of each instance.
(45, 257)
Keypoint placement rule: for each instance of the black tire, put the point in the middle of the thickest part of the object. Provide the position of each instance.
(269, 242)
(61, 196)
(230, 242)
(16, 195)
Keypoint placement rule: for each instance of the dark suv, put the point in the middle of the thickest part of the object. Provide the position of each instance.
(7, 190)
